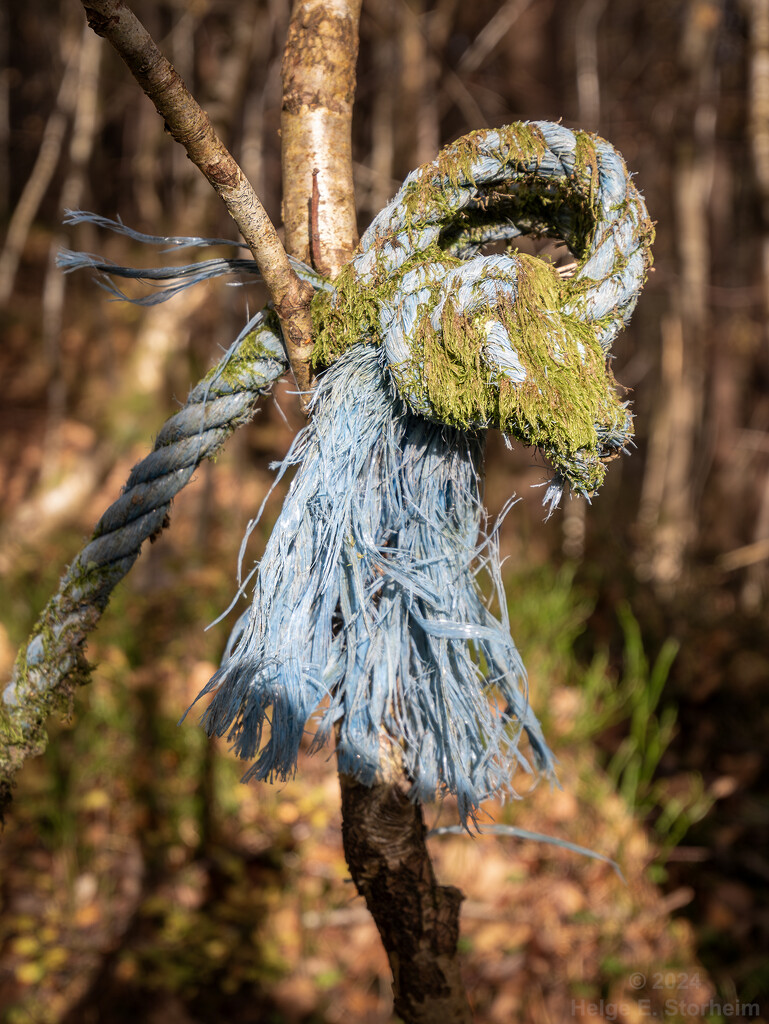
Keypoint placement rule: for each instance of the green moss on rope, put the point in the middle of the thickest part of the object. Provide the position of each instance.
(453, 381)
(251, 352)
(586, 163)
(522, 145)
(350, 313)
(567, 392)
(342, 317)
(567, 405)
(536, 202)
(20, 743)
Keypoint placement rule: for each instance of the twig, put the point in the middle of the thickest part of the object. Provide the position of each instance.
(189, 124)
(491, 33)
(40, 178)
(314, 229)
(742, 557)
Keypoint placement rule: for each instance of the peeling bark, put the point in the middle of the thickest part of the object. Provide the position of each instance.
(318, 92)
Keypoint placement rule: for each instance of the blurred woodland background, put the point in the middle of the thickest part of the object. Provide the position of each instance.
(138, 879)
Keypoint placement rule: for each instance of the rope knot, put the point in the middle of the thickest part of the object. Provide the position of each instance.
(366, 611)
(476, 341)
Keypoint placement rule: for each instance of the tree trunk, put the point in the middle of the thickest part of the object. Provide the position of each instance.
(383, 832)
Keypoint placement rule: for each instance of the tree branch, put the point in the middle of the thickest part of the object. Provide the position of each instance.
(418, 920)
(318, 92)
(383, 832)
(189, 124)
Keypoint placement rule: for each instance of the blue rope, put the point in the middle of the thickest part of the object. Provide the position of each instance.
(366, 604)
(366, 596)
(528, 349)
(52, 658)
(366, 610)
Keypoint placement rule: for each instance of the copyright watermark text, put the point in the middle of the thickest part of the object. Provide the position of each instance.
(614, 1010)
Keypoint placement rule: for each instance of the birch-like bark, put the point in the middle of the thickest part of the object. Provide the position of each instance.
(383, 832)
(189, 124)
(318, 92)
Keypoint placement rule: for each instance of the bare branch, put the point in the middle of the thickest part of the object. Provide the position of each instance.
(487, 39)
(40, 178)
(418, 920)
(190, 125)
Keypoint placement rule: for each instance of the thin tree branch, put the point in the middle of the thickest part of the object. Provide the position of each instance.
(492, 32)
(40, 178)
(189, 124)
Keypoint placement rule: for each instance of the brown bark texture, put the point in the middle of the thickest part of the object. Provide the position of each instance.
(418, 920)
(189, 124)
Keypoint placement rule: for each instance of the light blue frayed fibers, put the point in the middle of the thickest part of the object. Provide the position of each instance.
(366, 607)
(366, 596)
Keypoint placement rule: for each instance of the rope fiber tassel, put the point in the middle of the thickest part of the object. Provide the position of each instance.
(366, 597)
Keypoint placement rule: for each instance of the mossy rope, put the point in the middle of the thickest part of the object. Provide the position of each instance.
(441, 342)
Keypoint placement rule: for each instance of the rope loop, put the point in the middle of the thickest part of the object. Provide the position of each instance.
(503, 340)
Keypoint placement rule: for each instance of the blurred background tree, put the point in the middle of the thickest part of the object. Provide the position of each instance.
(196, 896)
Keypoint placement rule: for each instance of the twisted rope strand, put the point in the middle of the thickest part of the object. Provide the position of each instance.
(367, 592)
(52, 660)
(502, 340)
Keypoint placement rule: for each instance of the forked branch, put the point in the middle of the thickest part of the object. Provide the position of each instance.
(189, 124)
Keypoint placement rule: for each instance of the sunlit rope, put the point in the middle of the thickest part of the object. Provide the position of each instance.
(366, 600)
